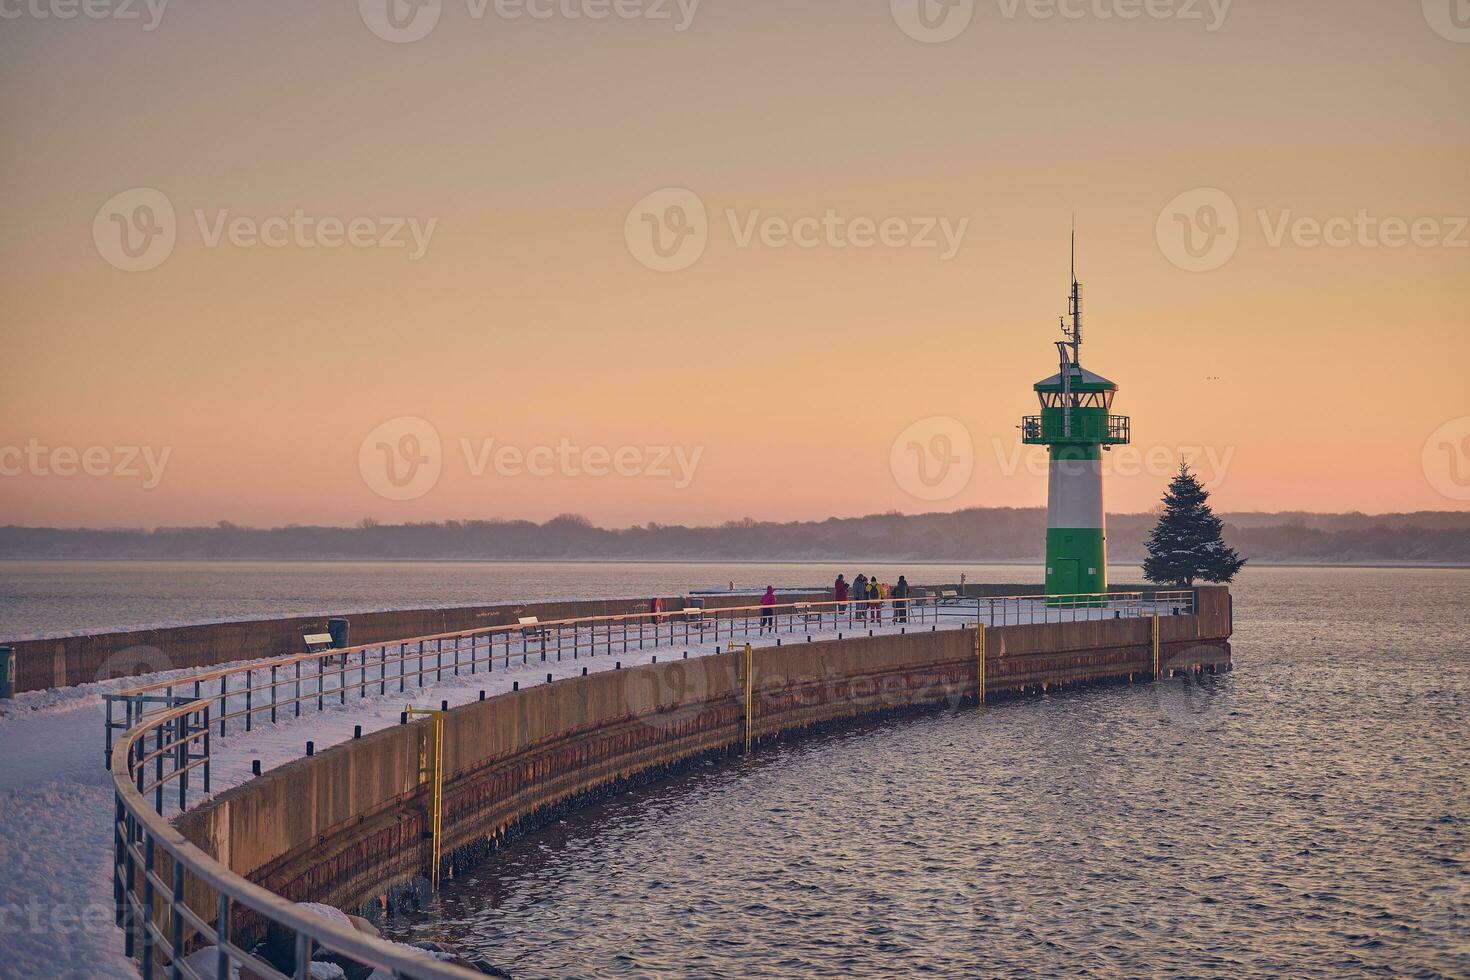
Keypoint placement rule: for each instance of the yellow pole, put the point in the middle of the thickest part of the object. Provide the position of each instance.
(980, 657)
(749, 694)
(433, 768)
(1153, 631)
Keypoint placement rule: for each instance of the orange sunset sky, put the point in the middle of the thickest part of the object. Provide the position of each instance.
(1314, 375)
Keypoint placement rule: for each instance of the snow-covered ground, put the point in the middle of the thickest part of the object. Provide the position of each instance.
(56, 798)
(56, 915)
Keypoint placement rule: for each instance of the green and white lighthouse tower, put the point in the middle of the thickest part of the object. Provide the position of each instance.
(1076, 427)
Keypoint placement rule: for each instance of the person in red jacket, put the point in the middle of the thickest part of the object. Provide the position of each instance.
(839, 592)
(768, 609)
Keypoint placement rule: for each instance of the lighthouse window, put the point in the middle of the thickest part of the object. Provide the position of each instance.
(1089, 399)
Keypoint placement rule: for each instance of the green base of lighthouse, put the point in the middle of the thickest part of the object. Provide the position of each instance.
(1077, 563)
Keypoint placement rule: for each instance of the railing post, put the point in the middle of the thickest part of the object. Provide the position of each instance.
(130, 881)
(206, 747)
(303, 956)
(222, 936)
(147, 955)
(158, 768)
(107, 734)
(181, 758)
(176, 921)
(119, 858)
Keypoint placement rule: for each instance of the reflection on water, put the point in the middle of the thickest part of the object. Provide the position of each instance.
(1308, 814)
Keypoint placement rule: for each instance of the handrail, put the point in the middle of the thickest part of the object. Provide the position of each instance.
(139, 833)
(1081, 600)
(170, 733)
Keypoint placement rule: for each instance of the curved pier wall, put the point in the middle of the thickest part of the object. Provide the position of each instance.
(344, 826)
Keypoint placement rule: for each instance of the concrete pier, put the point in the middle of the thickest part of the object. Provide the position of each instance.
(348, 824)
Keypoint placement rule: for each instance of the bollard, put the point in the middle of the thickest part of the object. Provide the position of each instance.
(357, 731)
(403, 718)
(515, 685)
(338, 629)
(255, 767)
(310, 749)
(618, 665)
(655, 658)
(443, 705)
(686, 654)
(548, 678)
(7, 672)
(482, 695)
(584, 671)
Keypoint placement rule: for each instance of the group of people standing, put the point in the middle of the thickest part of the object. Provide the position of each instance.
(868, 595)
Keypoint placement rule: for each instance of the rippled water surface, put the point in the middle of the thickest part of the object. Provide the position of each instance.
(1307, 814)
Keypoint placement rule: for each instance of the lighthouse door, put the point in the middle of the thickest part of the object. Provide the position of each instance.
(1067, 581)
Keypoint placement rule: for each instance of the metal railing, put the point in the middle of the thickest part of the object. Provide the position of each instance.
(1086, 427)
(164, 733)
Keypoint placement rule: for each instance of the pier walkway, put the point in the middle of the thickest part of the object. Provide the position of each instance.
(57, 800)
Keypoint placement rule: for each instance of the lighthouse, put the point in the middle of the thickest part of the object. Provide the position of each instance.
(1076, 426)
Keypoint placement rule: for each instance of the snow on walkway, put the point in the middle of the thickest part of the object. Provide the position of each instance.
(56, 797)
(56, 802)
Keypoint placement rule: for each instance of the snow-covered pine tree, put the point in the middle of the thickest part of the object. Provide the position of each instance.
(1185, 544)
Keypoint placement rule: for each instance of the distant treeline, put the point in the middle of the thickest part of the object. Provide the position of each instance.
(981, 534)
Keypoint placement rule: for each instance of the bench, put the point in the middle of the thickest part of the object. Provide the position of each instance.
(531, 627)
(317, 642)
(804, 610)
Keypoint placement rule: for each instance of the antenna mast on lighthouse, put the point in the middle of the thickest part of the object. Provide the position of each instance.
(1074, 306)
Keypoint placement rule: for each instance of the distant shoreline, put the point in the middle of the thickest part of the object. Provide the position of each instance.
(869, 560)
